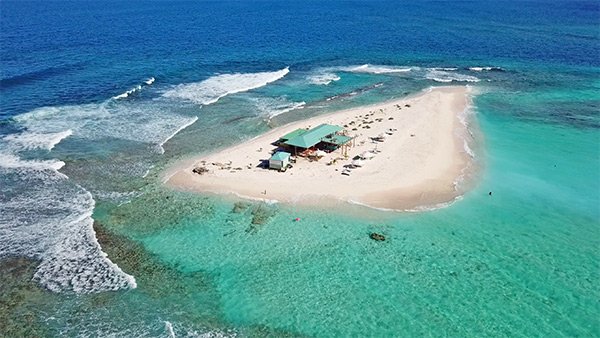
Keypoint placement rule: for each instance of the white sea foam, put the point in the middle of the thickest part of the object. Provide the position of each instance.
(135, 89)
(323, 79)
(48, 218)
(270, 107)
(129, 92)
(420, 208)
(45, 216)
(33, 140)
(147, 172)
(447, 76)
(468, 138)
(464, 118)
(169, 329)
(424, 208)
(214, 88)
(480, 69)
(12, 161)
(251, 198)
(376, 69)
(148, 122)
(468, 149)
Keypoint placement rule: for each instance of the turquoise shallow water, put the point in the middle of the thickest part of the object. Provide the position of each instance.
(75, 157)
(487, 265)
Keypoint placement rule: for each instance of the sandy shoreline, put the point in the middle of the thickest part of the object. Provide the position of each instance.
(417, 165)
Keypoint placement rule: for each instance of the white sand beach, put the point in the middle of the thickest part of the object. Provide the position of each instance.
(417, 164)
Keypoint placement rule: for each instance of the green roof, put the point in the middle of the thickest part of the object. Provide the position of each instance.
(337, 139)
(280, 156)
(293, 134)
(313, 136)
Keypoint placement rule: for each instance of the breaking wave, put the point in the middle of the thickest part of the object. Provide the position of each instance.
(134, 89)
(47, 217)
(214, 88)
(480, 69)
(376, 69)
(10, 161)
(127, 93)
(447, 76)
(33, 140)
(323, 79)
(147, 122)
(189, 122)
(271, 107)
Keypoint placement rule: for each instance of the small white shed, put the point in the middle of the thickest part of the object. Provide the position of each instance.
(280, 160)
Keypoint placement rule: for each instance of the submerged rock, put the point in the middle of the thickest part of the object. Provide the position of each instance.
(377, 237)
(239, 207)
(261, 214)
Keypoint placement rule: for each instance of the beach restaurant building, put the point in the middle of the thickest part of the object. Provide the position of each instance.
(323, 137)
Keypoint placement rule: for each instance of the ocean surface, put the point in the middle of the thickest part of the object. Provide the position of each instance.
(97, 98)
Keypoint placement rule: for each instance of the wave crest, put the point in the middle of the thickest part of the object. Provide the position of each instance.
(377, 69)
(214, 88)
(480, 69)
(323, 79)
(270, 107)
(153, 122)
(47, 217)
(447, 77)
(33, 140)
(134, 89)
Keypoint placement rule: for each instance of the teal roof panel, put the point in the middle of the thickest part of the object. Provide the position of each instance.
(313, 136)
(293, 134)
(337, 139)
(281, 156)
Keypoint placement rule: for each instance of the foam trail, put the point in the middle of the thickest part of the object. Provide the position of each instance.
(271, 107)
(214, 88)
(187, 124)
(129, 92)
(10, 161)
(34, 140)
(447, 76)
(293, 106)
(169, 328)
(141, 121)
(376, 69)
(422, 208)
(480, 69)
(48, 218)
(323, 79)
(135, 89)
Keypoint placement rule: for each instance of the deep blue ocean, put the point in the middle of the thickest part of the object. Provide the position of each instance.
(97, 98)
